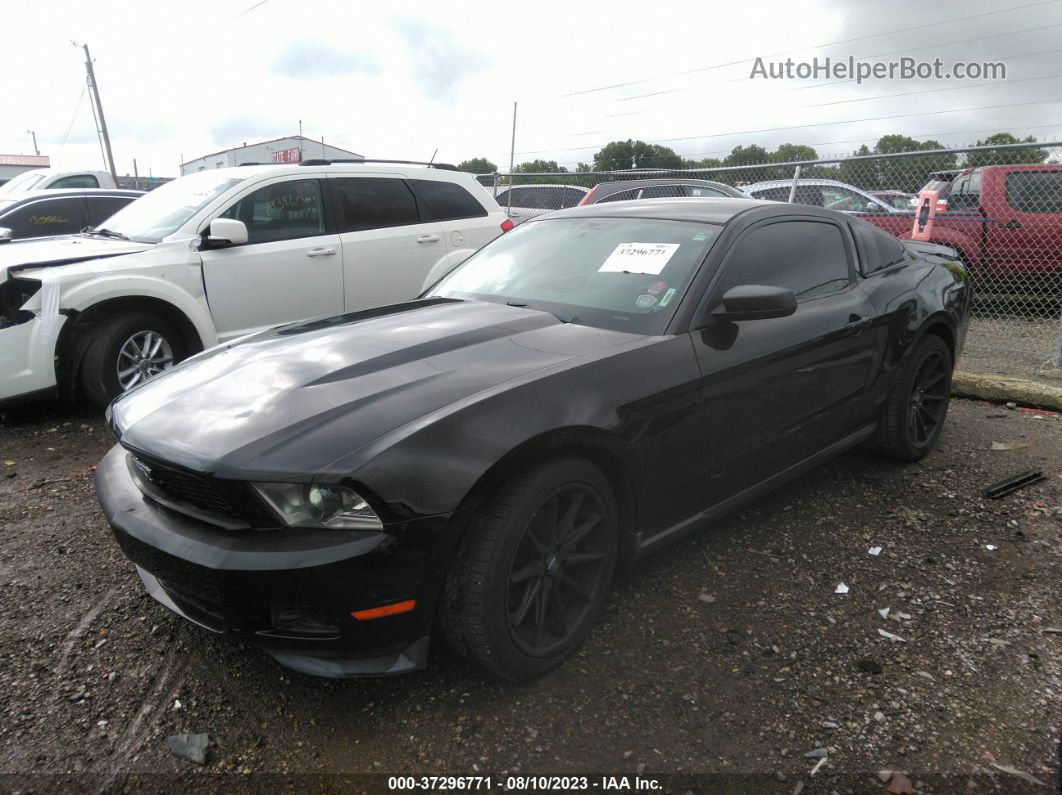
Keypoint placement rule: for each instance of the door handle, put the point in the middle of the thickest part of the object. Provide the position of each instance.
(428, 239)
(1011, 225)
(320, 252)
(856, 323)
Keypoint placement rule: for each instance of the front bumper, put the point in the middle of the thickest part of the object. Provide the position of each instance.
(290, 591)
(27, 357)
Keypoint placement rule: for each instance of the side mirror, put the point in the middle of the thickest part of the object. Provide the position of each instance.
(226, 232)
(5, 234)
(755, 302)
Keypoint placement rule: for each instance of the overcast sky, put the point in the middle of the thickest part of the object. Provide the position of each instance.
(400, 79)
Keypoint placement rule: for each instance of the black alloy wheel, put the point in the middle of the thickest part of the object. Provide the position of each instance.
(929, 399)
(558, 568)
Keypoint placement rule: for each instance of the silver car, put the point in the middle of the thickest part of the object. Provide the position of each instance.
(826, 193)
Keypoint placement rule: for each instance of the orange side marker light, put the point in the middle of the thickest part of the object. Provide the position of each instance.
(386, 610)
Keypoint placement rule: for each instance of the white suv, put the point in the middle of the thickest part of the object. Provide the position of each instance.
(218, 254)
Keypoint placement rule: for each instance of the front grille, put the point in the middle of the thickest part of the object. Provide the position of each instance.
(182, 487)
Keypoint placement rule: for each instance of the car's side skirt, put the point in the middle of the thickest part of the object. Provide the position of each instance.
(645, 545)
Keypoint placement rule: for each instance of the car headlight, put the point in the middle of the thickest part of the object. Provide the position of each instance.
(308, 505)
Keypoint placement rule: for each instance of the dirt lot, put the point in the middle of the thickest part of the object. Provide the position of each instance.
(728, 654)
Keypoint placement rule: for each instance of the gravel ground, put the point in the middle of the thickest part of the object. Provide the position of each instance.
(1019, 347)
(727, 661)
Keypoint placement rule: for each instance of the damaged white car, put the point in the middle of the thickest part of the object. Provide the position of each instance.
(219, 254)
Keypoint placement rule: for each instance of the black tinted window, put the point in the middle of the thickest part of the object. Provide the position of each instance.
(621, 196)
(282, 211)
(1035, 191)
(100, 208)
(803, 256)
(79, 181)
(373, 203)
(805, 194)
(445, 201)
(877, 249)
(43, 218)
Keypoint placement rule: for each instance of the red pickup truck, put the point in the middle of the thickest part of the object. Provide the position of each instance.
(1005, 221)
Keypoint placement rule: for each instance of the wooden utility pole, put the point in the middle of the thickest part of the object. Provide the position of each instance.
(95, 91)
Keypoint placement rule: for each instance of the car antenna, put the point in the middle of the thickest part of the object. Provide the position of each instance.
(433, 156)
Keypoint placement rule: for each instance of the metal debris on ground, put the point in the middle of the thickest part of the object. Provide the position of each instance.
(884, 612)
(991, 547)
(890, 636)
(1003, 487)
(875, 551)
(842, 588)
(1019, 773)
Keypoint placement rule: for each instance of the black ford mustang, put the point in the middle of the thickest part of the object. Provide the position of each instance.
(480, 461)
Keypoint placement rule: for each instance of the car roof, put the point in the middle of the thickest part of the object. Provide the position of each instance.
(17, 196)
(779, 183)
(543, 185)
(699, 209)
(312, 167)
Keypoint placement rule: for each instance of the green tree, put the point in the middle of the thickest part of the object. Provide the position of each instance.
(477, 165)
(752, 155)
(1005, 157)
(540, 167)
(708, 162)
(900, 173)
(789, 153)
(621, 155)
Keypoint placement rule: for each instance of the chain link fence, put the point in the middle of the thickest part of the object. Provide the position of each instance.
(1000, 207)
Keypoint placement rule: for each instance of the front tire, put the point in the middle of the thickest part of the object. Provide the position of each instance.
(914, 414)
(126, 350)
(533, 570)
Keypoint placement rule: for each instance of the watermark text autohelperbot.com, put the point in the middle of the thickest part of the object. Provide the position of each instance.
(901, 69)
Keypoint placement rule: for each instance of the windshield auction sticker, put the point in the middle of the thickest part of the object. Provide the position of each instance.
(639, 258)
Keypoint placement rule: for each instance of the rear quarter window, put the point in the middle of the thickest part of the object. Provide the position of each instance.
(446, 201)
(877, 249)
(1035, 191)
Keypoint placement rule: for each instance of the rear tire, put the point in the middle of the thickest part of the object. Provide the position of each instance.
(914, 414)
(112, 364)
(533, 571)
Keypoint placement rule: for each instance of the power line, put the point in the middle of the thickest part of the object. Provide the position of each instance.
(802, 49)
(800, 126)
(877, 96)
(73, 118)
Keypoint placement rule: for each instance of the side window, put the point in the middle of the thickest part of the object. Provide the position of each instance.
(708, 193)
(372, 203)
(877, 249)
(44, 218)
(282, 211)
(572, 197)
(1035, 191)
(445, 201)
(100, 208)
(842, 199)
(78, 181)
(663, 192)
(503, 198)
(806, 257)
(622, 196)
(965, 192)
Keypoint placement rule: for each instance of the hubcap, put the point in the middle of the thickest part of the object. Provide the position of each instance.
(929, 400)
(144, 354)
(558, 569)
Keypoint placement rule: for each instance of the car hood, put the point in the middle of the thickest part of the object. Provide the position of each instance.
(284, 404)
(51, 252)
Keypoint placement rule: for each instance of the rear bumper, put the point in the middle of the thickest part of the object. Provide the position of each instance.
(291, 592)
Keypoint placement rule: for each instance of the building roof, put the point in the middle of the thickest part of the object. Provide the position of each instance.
(269, 141)
(33, 161)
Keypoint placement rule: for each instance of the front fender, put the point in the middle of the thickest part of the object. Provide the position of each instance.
(85, 295)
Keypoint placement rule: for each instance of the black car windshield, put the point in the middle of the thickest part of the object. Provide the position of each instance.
(620, 273)
(165, 210)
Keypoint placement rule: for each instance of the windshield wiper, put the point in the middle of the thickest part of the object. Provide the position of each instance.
(103, 232)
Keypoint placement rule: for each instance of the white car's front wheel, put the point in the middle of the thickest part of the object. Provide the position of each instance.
(126, 350)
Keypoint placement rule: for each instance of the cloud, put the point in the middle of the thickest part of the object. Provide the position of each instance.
(439, 65)
(233, 130)
(309, 59)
